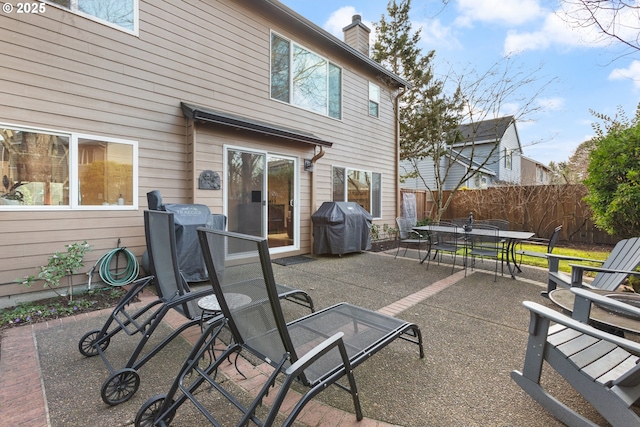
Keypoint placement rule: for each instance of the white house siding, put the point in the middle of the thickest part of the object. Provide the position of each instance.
(510, 142)
(64, 72)
(425, 168)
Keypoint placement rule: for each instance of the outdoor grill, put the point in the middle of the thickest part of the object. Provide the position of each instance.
(340, 228)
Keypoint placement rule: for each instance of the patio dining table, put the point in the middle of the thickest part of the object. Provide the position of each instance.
(511, 239)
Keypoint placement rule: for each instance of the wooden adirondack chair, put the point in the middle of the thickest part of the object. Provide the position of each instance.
(601, 366)
(622, 261)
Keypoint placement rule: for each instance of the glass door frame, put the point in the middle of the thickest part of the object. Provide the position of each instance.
(265, 192)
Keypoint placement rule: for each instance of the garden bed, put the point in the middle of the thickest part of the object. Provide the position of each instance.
(28, 313)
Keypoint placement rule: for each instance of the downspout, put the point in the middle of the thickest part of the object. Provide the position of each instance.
(397, 136)
(312, 199)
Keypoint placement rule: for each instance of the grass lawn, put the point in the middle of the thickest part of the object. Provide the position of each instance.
(564, 265)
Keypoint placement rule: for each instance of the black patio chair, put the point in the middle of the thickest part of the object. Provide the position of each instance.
(549, 244)
(451, 240)
(485, 243)
(173, 292)
(408, 236)
(316, 350)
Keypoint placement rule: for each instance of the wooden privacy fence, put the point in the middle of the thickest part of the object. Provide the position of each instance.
(537, 208)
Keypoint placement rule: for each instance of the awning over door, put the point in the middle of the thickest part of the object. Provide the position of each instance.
(206, 115)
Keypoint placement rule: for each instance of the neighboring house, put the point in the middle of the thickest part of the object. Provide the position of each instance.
(104, 103)
(535, 173)
(476, 152)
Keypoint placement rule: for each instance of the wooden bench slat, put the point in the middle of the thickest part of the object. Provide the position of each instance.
(577, 344)
(606, 363)
(562, 336)
(592, 353)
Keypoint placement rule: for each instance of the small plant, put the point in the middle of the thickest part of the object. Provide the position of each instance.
(38, 311)
(389, 231)
(60, 264)
(375, 232)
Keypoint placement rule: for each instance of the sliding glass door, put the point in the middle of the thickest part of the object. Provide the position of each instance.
(261, 196)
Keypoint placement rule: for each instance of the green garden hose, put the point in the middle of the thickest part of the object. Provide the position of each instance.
(118, 276)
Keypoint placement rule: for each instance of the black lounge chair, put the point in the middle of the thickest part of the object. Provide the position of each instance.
(173, 292)
(316, 350)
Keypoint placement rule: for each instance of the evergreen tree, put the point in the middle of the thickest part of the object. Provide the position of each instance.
(428, 118)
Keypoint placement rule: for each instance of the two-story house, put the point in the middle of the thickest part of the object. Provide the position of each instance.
(105, 101)
(490, 150)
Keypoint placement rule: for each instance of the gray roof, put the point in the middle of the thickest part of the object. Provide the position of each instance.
(486, 131)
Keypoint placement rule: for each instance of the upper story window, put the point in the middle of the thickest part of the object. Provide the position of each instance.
(121, 14)
(508, 158)
(43, 168)
(362, 187)
(374, 100)
(305, 79)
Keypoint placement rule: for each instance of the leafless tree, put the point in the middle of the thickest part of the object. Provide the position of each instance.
(613, 19)
(486, 95)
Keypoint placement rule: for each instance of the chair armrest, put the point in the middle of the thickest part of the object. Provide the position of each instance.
(535, 241)
(602, 270)
(181, 299)
(416, 234)
(561, 319)
(574, 258)
(314, 354)
(577, 271)
(137, 287)
(605, 301)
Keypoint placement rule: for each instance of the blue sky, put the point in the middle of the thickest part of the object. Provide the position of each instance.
(588, 71)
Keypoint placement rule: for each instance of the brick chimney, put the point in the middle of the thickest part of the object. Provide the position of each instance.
(356, 35)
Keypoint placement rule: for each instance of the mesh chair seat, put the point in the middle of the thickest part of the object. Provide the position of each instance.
(317, 349)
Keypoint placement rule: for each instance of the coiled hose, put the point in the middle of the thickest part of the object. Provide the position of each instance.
(119, 276)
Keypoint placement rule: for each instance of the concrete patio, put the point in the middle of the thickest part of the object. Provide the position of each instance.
(474, 329)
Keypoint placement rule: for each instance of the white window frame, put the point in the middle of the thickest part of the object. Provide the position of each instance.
(346, 192)
(374, 98)
(329, 63)
(73, 8)
(74, 172)
(508, 159)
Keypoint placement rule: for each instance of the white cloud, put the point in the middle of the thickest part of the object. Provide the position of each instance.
(631, 73)
(511, 12)
(340, 19)
(550, 104)
(435, 35)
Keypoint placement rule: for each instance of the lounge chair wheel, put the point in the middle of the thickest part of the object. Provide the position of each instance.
(86, 344)
(120, 386)
(150, 410)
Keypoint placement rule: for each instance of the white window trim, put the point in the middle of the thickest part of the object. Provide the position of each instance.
(225, 196)
(375, 101)
(73, 172)
(74, 9)
(292, 43)
(345, 187)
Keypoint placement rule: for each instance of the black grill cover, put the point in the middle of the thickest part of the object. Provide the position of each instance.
(340, 228)
(187, 218)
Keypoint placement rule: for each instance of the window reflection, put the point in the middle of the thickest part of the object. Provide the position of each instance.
(34, 168)
(105, 172)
